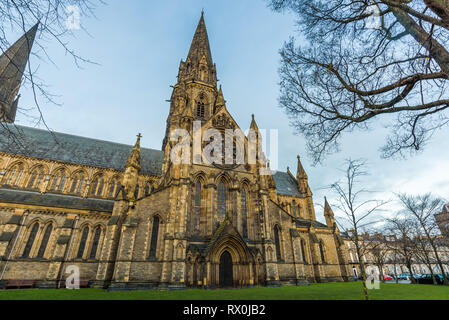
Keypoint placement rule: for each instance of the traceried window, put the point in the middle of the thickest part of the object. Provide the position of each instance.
(277, 243)
(15, 175)
(77, 183)
(197, 208)
(221, 201)
(82, 246)
(154, 236)
(97, 235)
(97, 186)
(44, 242)
(30, 242)
(200, 109)
(37, 176)
(59, 180)
(244, 208)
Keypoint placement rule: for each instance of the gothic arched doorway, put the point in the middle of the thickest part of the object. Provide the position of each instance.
(226, 274)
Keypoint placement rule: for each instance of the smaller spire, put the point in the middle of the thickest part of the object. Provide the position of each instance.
(300, 173)
(134, 157)
(220, 98)
(253, 124)
(327, 207)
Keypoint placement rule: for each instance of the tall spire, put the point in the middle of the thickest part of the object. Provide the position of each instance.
(200, 44)
(12, 66)
(199, 64)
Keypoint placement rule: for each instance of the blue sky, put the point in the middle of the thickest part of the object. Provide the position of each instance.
(139, 44)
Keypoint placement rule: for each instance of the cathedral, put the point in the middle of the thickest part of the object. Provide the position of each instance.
(131, 218)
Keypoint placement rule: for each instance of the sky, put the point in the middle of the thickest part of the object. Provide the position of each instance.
(138, 45)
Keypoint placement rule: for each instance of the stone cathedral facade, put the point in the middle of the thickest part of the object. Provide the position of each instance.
(129, 217)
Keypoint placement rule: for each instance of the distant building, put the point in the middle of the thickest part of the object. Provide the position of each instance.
(442, 220)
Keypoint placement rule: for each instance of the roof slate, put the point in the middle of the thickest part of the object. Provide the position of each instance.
(42, 144)
(55, 200)
(285, 184)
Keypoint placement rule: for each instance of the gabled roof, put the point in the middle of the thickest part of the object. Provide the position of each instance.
(285, 184)
(42, 144)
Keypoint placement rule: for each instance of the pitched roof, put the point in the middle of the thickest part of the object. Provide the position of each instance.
(56, 146)
(285, 184)
(55, 200)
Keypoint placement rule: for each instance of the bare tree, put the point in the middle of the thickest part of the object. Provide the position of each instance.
(364, 60)
(56, 20)
(378, 249)
(357, 212)
(422, 209)
(402, 229)
(423, 252)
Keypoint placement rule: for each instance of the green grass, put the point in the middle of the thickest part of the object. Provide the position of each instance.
(322, 291)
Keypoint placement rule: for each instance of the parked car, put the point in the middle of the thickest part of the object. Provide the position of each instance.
(404, 276)
(387, 277)
(427, 279)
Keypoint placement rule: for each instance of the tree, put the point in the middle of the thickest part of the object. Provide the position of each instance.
(56, 20)
(402, 229)
(377, 247)
(422, 209)
(366, 60)
(357, 212)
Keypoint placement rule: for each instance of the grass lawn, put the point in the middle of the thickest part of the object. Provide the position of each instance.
(321, 291)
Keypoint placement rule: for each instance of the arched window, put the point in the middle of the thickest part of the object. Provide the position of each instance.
(15, 174)
(299, 211)
(77, 184)
(323, 259)
(221, 201)
(97, 186)
(37, 176)
(303, 251)
(31, 238)
(97, 234)
(294, 208)
(114, 187)
(58, 181)
(197, 208)
(147, 189)
(244, 213)
(82, 245)
(154, 236)
(200, 109)
(136, 192)
(277, 243)
(44, 242)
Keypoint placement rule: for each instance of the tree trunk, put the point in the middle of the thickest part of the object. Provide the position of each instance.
(436, 50)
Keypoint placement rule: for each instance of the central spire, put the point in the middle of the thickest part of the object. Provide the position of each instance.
(199, 65)
(200, 44)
